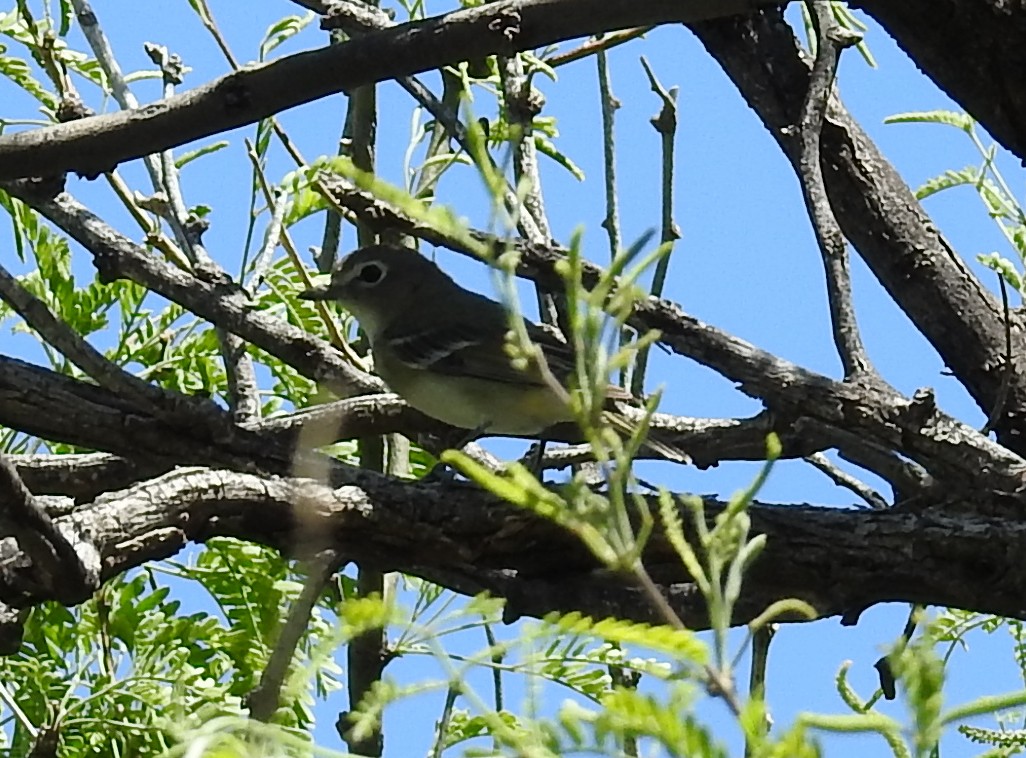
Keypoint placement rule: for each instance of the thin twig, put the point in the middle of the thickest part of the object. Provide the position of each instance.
(611, 222)
(497, 657)
(665, 123)
(443, 723)
(846, 480)
(593, 46)
(831, 40)
(262, 260)
(155, 236)
(326, 255)
(522, 104)
(177, 217)
(609, 105)
(446, 127)
(905, 477)
(761, 639)
(99, 44)
(207, 19)
(265, 698)
(334, 333)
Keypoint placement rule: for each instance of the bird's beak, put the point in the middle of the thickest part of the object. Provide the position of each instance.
(321, 291)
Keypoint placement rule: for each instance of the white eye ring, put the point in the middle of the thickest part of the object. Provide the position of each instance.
(370, 274)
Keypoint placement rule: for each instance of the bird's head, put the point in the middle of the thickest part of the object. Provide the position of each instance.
(377, 283)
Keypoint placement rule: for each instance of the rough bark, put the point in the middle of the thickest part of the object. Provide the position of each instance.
(952, 535)
(840, 561)
(972, 50)
(93, 145)
(877, 212)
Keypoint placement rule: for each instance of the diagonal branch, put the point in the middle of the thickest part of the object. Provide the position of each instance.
(264, 699)
(55, 332)
(93, 145)
(222, 302)
(940, 444)
(843, 479)
(831, 39)
(878, 213)
(56, 567)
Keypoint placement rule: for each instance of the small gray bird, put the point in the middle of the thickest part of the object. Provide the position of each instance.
(444, 349)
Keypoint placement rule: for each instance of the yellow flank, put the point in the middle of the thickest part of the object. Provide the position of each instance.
(469, 402)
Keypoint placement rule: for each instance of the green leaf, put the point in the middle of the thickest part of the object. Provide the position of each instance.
(283, 30)
(950, 118)
(188, 157)
(547, 147)
(950, 178)
(1004, 267)
(683, 644)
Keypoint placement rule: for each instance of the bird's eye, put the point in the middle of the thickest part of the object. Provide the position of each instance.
(372, 273)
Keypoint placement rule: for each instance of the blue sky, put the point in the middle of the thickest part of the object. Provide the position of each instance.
(746, 262)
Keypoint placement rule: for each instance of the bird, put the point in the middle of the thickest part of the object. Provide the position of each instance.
(445, 349)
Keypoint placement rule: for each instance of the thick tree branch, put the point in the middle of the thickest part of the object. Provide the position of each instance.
(986, 32)
(52, 406)
(840, 561)
(54, 565)
(93, 145)
(879, 215)
(220, 301)
(82, 476)
(56, 407)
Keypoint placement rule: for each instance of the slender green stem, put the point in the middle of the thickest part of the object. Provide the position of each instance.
(665, 124)
(443, 722)
(609, 105)
(761, 639)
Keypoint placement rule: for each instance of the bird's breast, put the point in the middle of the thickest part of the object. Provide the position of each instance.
(467, 402)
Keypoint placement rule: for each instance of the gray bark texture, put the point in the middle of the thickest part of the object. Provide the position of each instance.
(169, 470)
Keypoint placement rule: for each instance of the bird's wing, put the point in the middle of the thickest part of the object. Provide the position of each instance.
(561, 360)
(473, 350)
